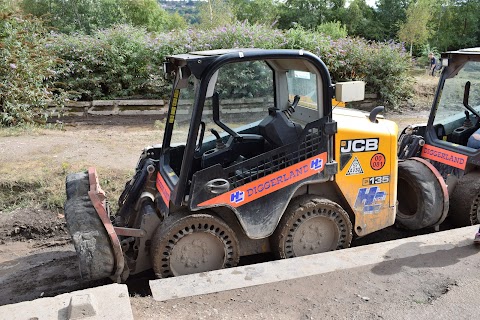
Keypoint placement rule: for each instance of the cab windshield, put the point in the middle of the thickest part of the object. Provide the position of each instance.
(451, 113)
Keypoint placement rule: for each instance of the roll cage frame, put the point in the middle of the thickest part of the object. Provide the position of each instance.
(204, 65)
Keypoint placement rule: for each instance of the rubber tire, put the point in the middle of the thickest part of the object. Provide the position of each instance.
(465, 200)
(306, 207)
(180, 225)
(91, 241)
(416, 182)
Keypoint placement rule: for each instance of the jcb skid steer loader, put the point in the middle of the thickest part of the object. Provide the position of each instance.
(285, 175)
(449, 142)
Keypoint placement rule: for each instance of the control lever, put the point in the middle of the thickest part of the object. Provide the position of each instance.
(467, 123)
(290, 110)
(219, 144)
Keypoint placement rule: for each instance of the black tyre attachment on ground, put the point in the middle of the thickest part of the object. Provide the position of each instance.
(91, 241)
(311, 225)
(420, 196)
(465, 200)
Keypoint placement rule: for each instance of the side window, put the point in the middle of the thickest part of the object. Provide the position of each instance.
(303, 84)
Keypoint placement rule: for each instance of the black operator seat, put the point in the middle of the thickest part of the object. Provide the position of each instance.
(278, 129)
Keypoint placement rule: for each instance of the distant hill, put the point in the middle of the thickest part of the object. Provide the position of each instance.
(187, 9)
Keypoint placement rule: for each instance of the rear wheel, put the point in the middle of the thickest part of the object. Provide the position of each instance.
(465, 201)
(311, 225)
(419, 195)
(91, 241)
(190, 243)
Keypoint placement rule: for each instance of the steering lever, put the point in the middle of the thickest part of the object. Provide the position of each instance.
(219, 144)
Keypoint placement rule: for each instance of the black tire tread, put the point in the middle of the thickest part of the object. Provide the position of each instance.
(429, 193)
(91, 241)
(166, 236)
(465, 200)
(298, 207)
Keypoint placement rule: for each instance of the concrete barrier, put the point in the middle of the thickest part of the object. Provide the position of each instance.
(105, 302)
(110, 108)
(230, 108)
(280, 270)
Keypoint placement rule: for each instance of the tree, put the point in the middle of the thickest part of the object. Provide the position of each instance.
(415, 29)
(214, 13)
(390, 13)
(146, 13)
(255, 11)
(361, 21)
(456, 24)
(306, 13)
(76, 16)
(86, 16)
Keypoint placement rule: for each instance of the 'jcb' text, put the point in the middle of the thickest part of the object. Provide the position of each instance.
(359, 145)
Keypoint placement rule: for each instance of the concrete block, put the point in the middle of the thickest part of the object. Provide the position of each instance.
(148, 103)
(280, 270)
(82, 306)
(105, 302)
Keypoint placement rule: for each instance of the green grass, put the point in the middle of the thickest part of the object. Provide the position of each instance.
(38, 183)
(29, 129)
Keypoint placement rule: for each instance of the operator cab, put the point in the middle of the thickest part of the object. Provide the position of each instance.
(229, 113)
(458, 103)
(454, 118)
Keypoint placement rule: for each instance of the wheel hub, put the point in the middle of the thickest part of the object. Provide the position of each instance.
(197, 252)
(317, 234)
(190, 243)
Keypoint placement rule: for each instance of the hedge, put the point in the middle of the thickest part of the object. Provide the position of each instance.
(126, 61)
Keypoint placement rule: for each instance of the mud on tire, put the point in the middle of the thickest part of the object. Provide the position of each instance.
(190, 243)
(465, 201)
(419, 195)
(91, 241)
(311, 225)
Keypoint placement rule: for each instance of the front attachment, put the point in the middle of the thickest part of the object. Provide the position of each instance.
(422, 196)
(98, 247)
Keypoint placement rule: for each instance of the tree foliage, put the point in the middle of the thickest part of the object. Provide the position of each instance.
(215, 13)
(390, 13)
(255, 11)
(86, 16)
(306, 13)
(415, 29)
(455, 24)
(27, 65)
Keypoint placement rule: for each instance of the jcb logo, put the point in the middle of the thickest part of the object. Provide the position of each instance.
(359, 145)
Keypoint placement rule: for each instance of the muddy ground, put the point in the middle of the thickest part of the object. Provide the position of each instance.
(37, 258)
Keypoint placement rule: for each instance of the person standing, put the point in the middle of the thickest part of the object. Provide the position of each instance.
(433, 63)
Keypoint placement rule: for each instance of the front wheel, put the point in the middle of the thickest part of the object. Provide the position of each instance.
(311, 225)
(465, 201)
(191, 243)
(420, 197)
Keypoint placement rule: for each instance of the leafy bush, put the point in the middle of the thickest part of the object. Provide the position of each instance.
(87, 16)
(27, 63)
(116, 62)
(384, 66)
(125, 61)
(333, 29)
